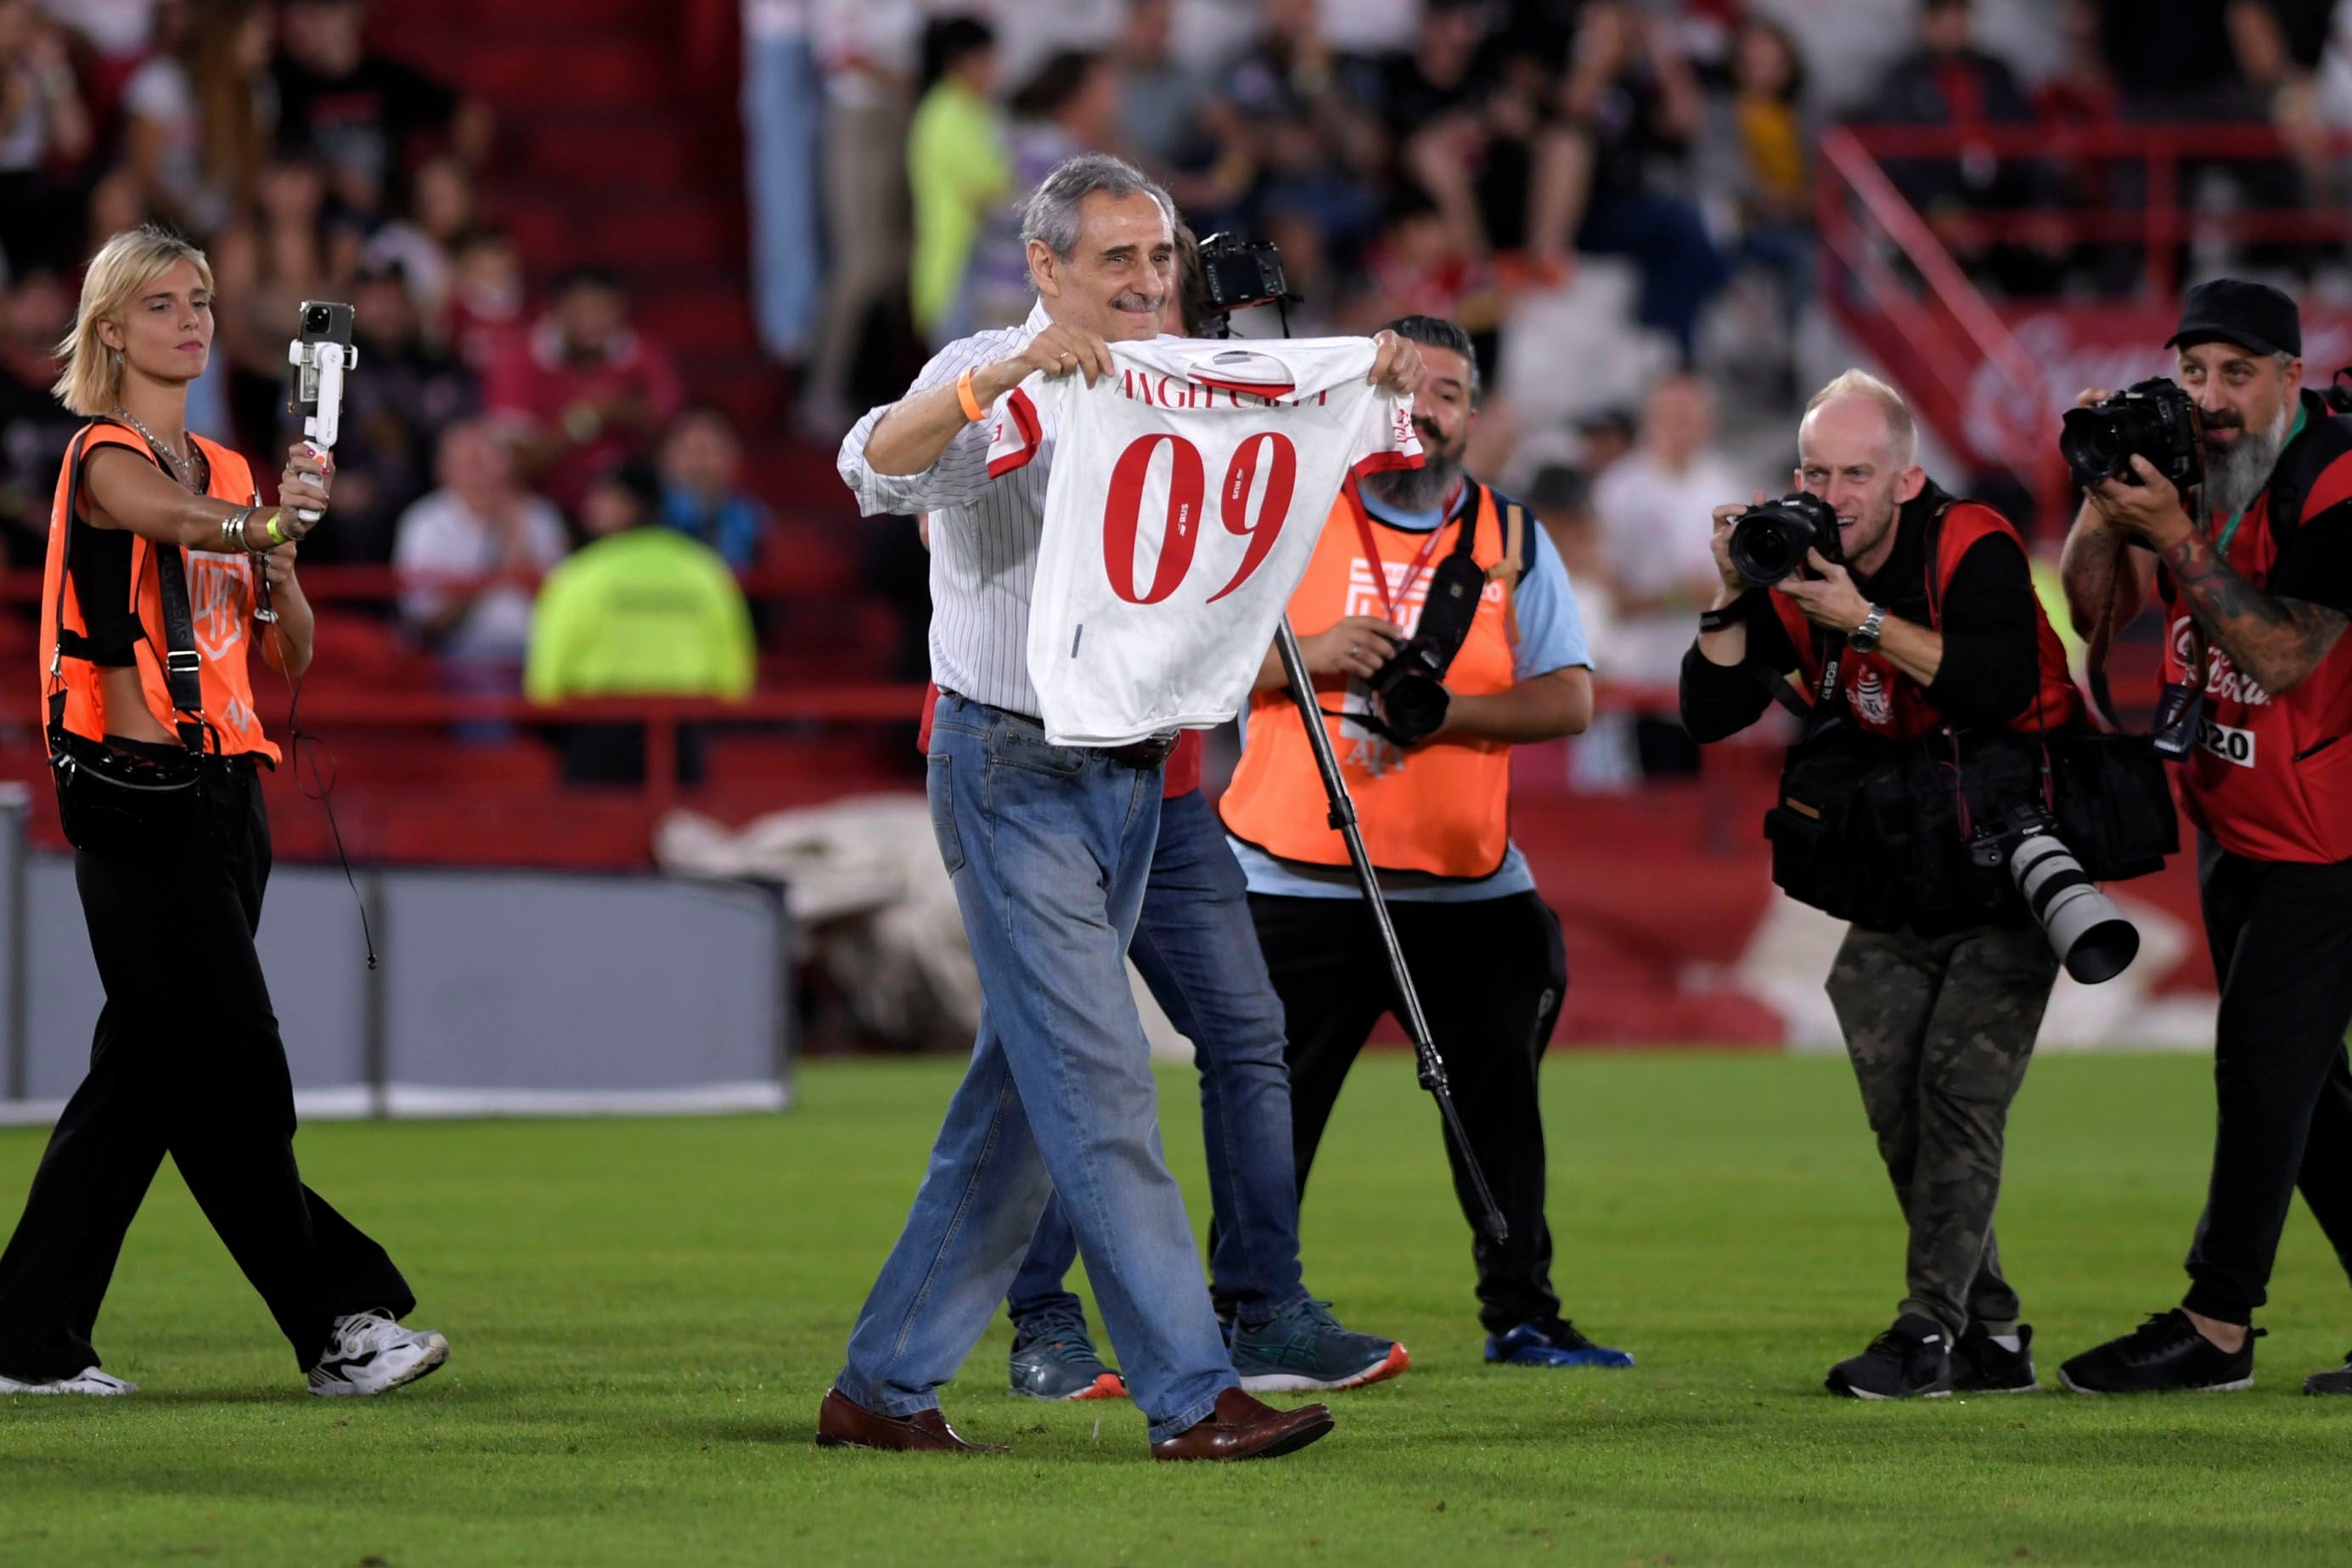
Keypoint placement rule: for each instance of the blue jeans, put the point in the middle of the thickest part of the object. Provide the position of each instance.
(783, 119)
(1198, 952)
(1048, 846)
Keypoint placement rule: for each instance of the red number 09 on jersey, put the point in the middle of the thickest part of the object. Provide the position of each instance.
(1123, 513)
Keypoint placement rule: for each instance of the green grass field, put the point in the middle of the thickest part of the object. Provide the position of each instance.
(645, 1314)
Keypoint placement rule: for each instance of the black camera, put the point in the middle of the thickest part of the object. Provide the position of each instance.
(1237, 275)
(1410, 687)
(2091, 936)
(1770, 541)
(2153, 419)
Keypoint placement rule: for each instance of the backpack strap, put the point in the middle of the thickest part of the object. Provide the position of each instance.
(182, 664)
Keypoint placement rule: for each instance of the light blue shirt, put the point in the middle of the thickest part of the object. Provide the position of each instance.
(1551, 637)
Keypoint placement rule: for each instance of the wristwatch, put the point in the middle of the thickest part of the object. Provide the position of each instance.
(1863, 639)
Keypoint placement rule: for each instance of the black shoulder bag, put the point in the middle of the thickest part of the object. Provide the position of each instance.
(113, 802)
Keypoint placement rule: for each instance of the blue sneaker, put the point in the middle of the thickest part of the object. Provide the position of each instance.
(1054, 1359)
(1304, 1348)
(1551, 1343)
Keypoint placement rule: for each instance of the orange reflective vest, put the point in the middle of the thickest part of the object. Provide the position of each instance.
(220, 607)
(1442, 809)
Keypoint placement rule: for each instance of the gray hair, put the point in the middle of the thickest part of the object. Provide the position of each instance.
(1051, 214)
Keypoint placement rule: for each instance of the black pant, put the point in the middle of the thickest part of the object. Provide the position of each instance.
(1490, 975)
(187, 1061)
(2281, 934)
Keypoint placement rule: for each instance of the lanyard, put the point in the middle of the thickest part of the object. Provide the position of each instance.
(1379, 566)
(2221, 545)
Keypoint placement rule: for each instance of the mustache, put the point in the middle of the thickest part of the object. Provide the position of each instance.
(2225, 422)
(1133, 300)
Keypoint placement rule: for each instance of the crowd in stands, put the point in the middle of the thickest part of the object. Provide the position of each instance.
(476, 432)
(1616, 196)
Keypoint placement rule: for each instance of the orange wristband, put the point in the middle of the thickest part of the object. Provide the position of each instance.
(972, 412)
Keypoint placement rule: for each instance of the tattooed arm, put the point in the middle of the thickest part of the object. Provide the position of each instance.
(2277, 641)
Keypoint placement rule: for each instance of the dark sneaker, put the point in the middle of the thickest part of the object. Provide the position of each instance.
(1553, 1342)
(1304, 1348)
(1054, 1359)
(1982, 1366)
(1913, 1360)
(2165, 1354)
(2337, 1382)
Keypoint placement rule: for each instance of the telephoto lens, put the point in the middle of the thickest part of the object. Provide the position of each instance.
(2091, 935)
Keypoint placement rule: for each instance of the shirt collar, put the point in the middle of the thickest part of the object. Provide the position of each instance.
(1038, 320)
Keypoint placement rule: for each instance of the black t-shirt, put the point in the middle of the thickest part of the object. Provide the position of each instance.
(1990, 668)
(363, 120)
(100, 559)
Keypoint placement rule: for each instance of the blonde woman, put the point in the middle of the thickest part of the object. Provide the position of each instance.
(159, 550)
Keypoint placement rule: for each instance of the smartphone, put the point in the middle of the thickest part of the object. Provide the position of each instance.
(322, 321)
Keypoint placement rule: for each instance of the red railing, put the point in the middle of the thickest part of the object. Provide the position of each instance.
(1889, 276)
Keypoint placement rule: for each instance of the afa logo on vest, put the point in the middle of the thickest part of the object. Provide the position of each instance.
(1364, 596)
(2223, 679)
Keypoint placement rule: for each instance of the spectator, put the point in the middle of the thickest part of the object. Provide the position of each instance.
(468, 554)
(586, 389)
(1947, 80)
(1652, 509)
(642, 610)
(44, 134)
(1296, 137)
(484, 312)
(422, 243)
(1561, 498)
(1754, 160)
(198, 113)
(957, 170)
(1160, 97)
(868, 52)
(1474, 137)
(1068, 107)
(408, 392)
(784, 116)
(1603, 437)
(1630, 97)
(35, 313)
(365, 117)
(2081, 96)
(702, 492)
(273, 256)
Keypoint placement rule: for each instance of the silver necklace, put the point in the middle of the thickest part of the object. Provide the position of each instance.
(182, 466)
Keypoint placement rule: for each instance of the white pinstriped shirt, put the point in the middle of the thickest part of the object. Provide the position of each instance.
(984, 531)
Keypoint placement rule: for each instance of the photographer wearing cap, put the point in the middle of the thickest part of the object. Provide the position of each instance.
(1934, 676)
(2255, 586)
(1442, 632)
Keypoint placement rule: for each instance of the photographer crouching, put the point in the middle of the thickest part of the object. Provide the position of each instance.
(2255, 591)
(1934, 676)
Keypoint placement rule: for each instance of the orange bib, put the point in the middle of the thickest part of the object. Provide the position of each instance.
(220, 606)
(1442, 808)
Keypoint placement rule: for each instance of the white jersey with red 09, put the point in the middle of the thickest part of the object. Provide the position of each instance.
(1188, 491)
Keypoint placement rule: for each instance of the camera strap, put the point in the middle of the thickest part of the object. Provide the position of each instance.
(182, 664)
(1465, 543)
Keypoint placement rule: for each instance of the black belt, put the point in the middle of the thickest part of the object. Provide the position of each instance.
(1142, 755)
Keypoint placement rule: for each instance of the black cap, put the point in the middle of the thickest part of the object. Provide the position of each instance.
(2231, 310)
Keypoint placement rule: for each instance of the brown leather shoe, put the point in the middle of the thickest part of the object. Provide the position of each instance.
(1242, 1429)
(842, 1423)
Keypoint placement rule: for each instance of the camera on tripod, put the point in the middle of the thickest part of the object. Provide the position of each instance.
(2091, 936)
(1770, 541)
(2152, 419)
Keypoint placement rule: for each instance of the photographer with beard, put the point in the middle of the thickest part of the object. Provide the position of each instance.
(2255, 589)
(1937, 649)
(1433, 798)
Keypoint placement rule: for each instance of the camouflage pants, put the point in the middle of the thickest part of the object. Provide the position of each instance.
(1940, 1030)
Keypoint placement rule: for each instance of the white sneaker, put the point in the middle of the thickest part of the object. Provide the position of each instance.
(87, 1381)
(370, 1354)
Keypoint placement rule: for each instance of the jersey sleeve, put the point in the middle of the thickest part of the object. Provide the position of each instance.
(1551, 630)
(2315, 565)
(1020, 425)
(1387, 439)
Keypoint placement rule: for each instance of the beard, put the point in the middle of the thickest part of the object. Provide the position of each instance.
(2236, 474)
(1419, 489)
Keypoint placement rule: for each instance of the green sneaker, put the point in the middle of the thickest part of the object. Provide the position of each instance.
(1305, 1348)
(1054, 1359)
